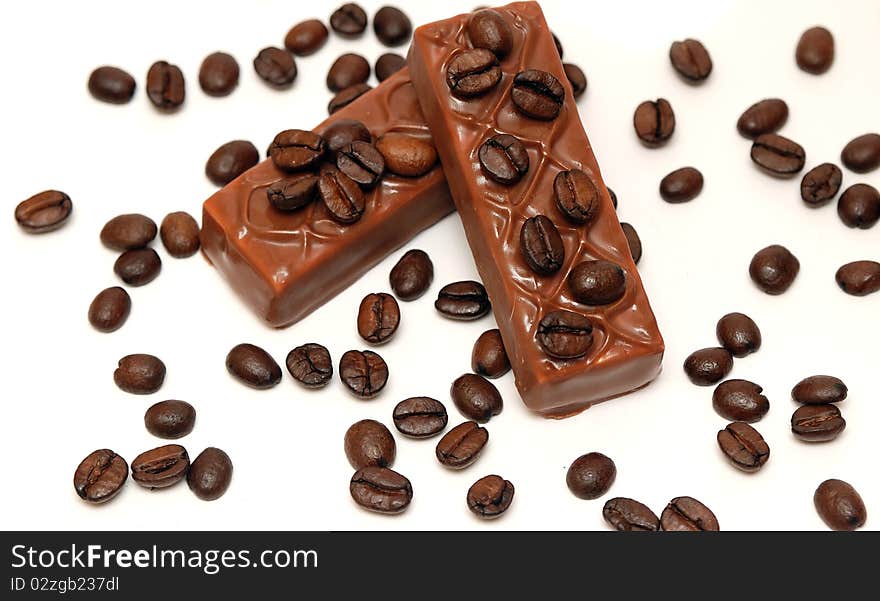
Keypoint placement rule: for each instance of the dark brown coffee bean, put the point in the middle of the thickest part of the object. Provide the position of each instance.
(407, 155)
(138, 267)
(170, 419)
(628, 515)
(165, 86)
(381, 490)
(577, 195)
(126, 232)
(862, 154)
(476, 397)
(473, 73)
(369, 443)
(100, 476)
(777, 155)
(347, 96)
(597, 282)
(740, 400)
(613, 197)
(537, 94)
(349, 20)
(654, 122)
(686, 514)
(276, 67)
(576, 78)
(504, 159)
(489, 359)
(364, 373)
(110, 309)
(231, 160)
(818, 390)
(341, 195)
(691, 60)
(461, 446)
(253, 366)
(43, 212)
(343, 132)
(488, 30)
(388, 64)
(590, 476)
(541, 245)
(218, 75)
(817, 423)
(708, 366)
(392, 26)
(840, 506)
(633, 241)
(140, 374)
(210, 474)
(306, 38)
(310, 365)
(739, 334)
(815, 50)
(348, 70)
(490, 496)
(859, 206)
(180, 234)
(859, 278)
(465, 300)
(361, 162)
(744, 446)
(111, 84)
(681, 185)
(293, 193)
(160, 467)
(764, 117)
(821, 184)
(297, 150)
(420, 417)
(774, 269)
(378, 318)
(565, 334)
(412, 275)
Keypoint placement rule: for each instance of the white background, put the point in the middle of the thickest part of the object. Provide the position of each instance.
(59, 399)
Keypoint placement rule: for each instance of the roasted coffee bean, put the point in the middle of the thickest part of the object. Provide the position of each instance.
(465, 300)
(342, 196)
(613, 197)
(476, 397)
(276, 67)
(378, 318)
(210, 474)
(138, 267)
(862, 154)
(361, 162)
(111, 84)
(100, 476)
(708, 366)
(504, 159)
(817, 423)
(489, 359)
(764, 117)
(364, 373)
(473, 73)
(218, 75)
(293, 193)
(654, 122)
(740, 400)
(348, 70)
(347, 96)
(488, 30)
(691, 60)
(306, 38)
(577, 195)
(297, 150)
(565, 334)
(681, 185)
(537, 94)
(388, 64)
(310, 365)
(815, 50)
(343, 132)
(628, 515)
(139, 374)
(231, 160)
(774, 269)
(558, 44)
(253, 366)
(597, 282)
(490, 496)
(160, 467)
(821, 184)
(859, 206)
(744, 446)
(180, 234)
(461, 446)
(369, 443)
(420, 417)
(165, 86)
(392, 26)
(840, 506)
(170, 419)
(381, 490)
(859, 278)
(576, 78)
(110, 309)
(633, 240)
(739, 334)
(43, 212)
(818, 390)
(349, 20)
(686, 514)
(412, 275)
(407, 155)
(541, 245)
(777, 155)
(126, 232)
(590, 476)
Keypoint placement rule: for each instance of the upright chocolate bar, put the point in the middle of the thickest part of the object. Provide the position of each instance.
(568, 299)
(287, 264)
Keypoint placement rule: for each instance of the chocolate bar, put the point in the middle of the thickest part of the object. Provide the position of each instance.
(568, 299)
(285, 264)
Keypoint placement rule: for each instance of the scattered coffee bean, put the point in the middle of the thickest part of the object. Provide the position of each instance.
(180, 234)
(818, 390)
(126, 232)
(310, 365)
(361, 162)
(859, 278)
(110, 309)
(613, 197)
(817, 423)
(461, 446)
(577, 195)
(253, 366)
(476, 397)
(744, 446)
(465, 301)
(364, 373)
(349, 20)
(489, 359)
(139, 374)
(111, 84)
(218, 75)
(165, 86)
(777, 155)
(764, 117)
(504, 159)
(628, 515)
(774, 269)
(342, 196)
(170, 419)
(740, 400)
(862, 154)
(276, 67)
(576, 78)
(565, 334)
(381, 490)
(388, 64)
(815, 50)
(590, 476)
(378, 318)
(633, 241)
(306, 38)
(369, 443)
(407, 155)
(708, 366)
(490, 496)
(293, 193)
(392, 26)
(412, 275)
(43, 212)
(840, 506)
(138, 267)
(739, 334)
(160, 467)
(684, 514)
(558, 44)
(654, 122)
(420, 417)
(473, 73)
(210, 474)
(691, 60)
(541, 245)
(343, 132)
(100, 476)
(681, 185)
(231, 160)
(859, 206)
(348, 70)
(488, 30)
(537, 94)
(297, 150)
(597, 282)
(821, 184)
(347, 96)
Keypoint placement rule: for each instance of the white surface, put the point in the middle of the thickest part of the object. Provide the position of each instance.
(59, 400)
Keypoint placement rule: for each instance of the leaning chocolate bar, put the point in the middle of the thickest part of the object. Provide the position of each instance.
(297, 229)
(568, 299)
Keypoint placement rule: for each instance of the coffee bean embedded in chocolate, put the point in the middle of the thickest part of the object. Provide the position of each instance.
(764, 117)
(821, 184)
(818, 390)
(462, 445)
(778, 156)
(577, 195)
(629, 515)
(378, 318)
(110, 309)
(739, 334)
(774, 269)
(111, 84)
(381, 490)
(862, 154)
(100, 476)
(420, 417)
(489, 497)
(44, 212)
(364, 373)
(597, 282)
(691, 60)
(341, 195)
(541, 245)
(859, 206)
(654, 122)
(310, 365)
(708, 366)
(139, 373)
(740, 400)
(476, 397)
(590, 476)
(686, 514)
(487, 29)
(817, 423)
(306, 37)
(349, 20)
(297, 150)
(129, 231)
(473, 73)
(388, 64)
(392, 26)
(743, 446)
(180, 234)
(231, 160)
(218, 75)
(165, 86)
(347, 96)
(138, 267)
(346, 71)
(840, 506)
(489, 359)
(504, 159)
(170, 419)
(859, 278)
(537, 94)
(293, 193)
(633, 241)
(412, 275)
(369, 443)
(681, 185)
(210, 474)
(160, 467)
(361, 162)
(276, 67)
(343, 132)
(576, 78)
(464, 301)
(565, 334)
(815, 50)
(253, 366)
(407, 155)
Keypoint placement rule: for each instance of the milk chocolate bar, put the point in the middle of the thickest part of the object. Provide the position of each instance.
(568, 299)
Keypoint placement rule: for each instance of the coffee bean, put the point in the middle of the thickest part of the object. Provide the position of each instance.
(541, 245)
(686, 514)
(488, 30)
(817, 423)
(231, 160)
(465, 301)
(764, 117)
(126, 232)
(306, 38)
(160, 467)
(369, 443)
(840, 506)
(504, 159)
(815, 50)
(859, 206)
(708, 366)
(170, 419)
(818, 390)
(537, 94)
(381, 490)
(777, 155)
(412, 275)
(100, 476)
(166, 88)
(364, 373)
(681, 185)
(343, 132)
(590, 476)
(361, 162)
(348, 70)
(218, 75)
(628, 515)
(691, 60)
(276, 67)
(565, 334)
(633, 241)
(577, 195)
(388, 64)
(43, 212)
(111, 84)
(476, 397)
(740, 400)
(739, 334)
(378, 318)
(576, 78)
(613, 197)
(297, 150)
(110, 309)
(139, 374)
(347, 96)
(859, 278)
(862, 154)
(349, 20)
(407, 155)
(293, 193)
(210, 474)
(489, 359)
(341, 195)
(180, 234)
(654, 122)
(744, 446)
(392, 26)
(490, 496)
(473, 73)
(461, 446)
(820, 184)
(310, 365)
(774, 269)
(597, 282)
(253, 366)
(420, 417)
(138, 267)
